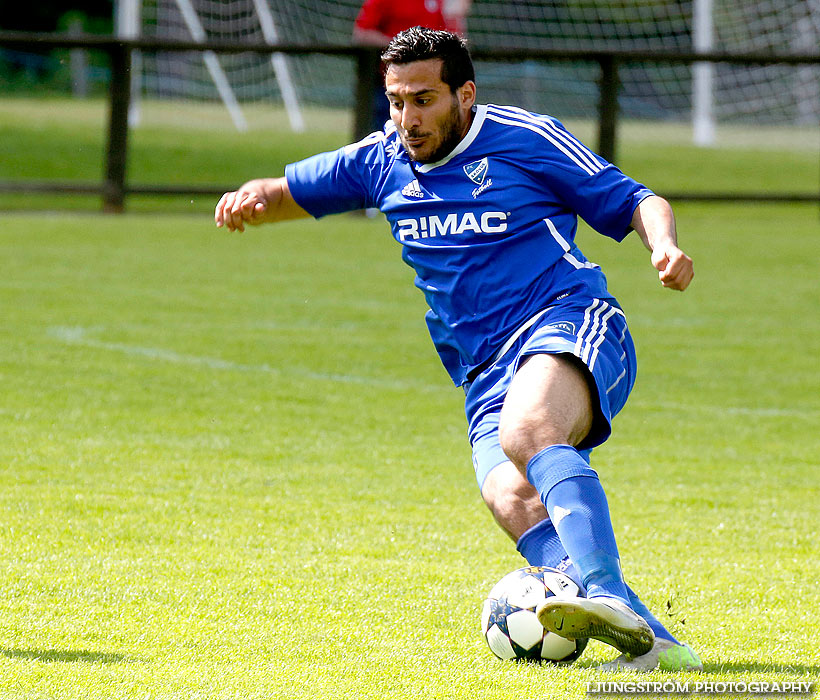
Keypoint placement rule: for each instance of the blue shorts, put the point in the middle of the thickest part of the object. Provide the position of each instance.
(593, 330)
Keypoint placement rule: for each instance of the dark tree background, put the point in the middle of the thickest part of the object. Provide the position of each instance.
(41, 71)
(55, 15)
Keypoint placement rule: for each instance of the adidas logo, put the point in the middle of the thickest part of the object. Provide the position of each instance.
(413, 189)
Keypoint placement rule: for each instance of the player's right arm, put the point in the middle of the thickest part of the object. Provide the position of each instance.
(257, 202)
(654, 222)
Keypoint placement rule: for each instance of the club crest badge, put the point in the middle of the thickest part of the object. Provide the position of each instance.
(477, 170)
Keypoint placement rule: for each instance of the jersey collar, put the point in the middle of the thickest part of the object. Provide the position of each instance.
(475, 127)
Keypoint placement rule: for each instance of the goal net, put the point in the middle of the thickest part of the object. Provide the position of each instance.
(758, 94)
(751, 94)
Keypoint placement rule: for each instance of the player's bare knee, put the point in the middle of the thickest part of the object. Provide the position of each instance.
(513, 501)
(522, 438)
(512, 439)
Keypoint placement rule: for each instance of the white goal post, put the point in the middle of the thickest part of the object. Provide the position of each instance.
(703, 73)
(127, 26)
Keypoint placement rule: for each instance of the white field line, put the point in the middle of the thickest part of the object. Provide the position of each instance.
(812, 414)
(78, 335)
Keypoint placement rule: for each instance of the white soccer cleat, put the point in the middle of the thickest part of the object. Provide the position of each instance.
(606, 619)
(664, 656)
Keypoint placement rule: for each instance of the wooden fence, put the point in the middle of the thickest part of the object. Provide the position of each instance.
(115, 187)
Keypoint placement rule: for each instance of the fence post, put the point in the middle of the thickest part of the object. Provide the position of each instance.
(117, 150)
(608, 107)
(368, 62)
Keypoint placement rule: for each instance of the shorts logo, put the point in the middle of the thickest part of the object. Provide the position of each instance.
(565, 326)
(477, 170)
(413, 189)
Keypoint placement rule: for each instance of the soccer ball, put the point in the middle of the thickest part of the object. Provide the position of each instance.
(508, 618)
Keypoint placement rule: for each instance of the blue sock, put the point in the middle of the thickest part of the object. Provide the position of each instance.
(577, 506)
(654, 622)
(541, 546)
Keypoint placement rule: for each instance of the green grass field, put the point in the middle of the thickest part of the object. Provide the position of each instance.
(176, 144)
(233, 467)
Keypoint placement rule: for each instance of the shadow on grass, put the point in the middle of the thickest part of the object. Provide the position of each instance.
(65, 656)
(802, 670)
(799, 671)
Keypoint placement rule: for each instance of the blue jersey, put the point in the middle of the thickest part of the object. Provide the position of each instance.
(489, 229)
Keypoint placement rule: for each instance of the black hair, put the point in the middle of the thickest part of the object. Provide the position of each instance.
(422, 44)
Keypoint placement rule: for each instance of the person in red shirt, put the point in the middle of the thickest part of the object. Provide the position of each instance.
(379, 21)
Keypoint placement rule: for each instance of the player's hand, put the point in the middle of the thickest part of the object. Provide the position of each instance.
(245, 206)
(675, 268)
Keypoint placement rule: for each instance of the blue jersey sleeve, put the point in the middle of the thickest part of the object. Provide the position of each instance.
(587, 184)
(338, 181)
(606, 200)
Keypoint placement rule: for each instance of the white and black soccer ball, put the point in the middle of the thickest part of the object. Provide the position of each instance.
(508, 618)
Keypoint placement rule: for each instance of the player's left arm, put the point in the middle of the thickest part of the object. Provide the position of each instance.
(654, 222)
(257, 202)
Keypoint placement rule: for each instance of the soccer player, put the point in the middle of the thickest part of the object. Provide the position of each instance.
(484, 201)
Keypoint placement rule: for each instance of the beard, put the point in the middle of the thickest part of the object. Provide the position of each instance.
(450, 132)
